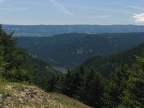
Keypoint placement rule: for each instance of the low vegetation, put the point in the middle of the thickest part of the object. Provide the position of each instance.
(18, 95)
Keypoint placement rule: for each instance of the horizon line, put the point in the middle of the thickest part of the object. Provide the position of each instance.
(72, 24)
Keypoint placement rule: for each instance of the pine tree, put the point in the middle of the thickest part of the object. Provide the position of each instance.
(7, 41)
(125, 88)
(92, 88)
(67, 87)
(14, 62)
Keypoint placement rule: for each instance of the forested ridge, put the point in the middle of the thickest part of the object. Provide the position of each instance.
(122, 87)
(71, 49)
(105, 64)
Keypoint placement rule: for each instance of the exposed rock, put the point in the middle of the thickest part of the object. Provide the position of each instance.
(24, 96)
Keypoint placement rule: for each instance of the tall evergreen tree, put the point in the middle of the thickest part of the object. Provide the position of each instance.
(68, 84)
(92, 88)
(14, 62)
(125, 88)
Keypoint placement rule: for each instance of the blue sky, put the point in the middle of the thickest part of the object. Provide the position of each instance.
(61, 12)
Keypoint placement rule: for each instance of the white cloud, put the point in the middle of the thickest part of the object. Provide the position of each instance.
(61, 8)
(139, 17)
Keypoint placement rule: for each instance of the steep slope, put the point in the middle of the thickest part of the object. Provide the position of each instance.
(18, 95)
(17, 65)
(107, 64)
(69, 50)
(43, 68)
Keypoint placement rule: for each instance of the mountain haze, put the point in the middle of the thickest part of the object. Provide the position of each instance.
(50, 30)
(69, 50)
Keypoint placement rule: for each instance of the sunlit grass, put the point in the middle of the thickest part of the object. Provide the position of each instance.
(51, 100)
(3, 82)
(67, 101)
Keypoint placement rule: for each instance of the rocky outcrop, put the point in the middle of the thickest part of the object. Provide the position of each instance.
(24, 96)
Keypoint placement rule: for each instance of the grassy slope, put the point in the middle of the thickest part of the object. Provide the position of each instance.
(18, 95)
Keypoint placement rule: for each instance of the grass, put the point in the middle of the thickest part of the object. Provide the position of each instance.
(50, 100)
(3, 91)
(18, 86)
(67, 101)
(2, 87)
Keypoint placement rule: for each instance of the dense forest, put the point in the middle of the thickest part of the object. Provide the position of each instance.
(121, 87)
(70, 50)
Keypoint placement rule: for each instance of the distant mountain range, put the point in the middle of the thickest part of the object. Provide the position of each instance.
(50, 30)
(69, 50)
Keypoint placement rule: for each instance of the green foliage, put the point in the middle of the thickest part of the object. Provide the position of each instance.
(72, 81)
(43, 68)
(92, 88)
(14, 64)
(108, 64)
(84, 85)
(126, 85)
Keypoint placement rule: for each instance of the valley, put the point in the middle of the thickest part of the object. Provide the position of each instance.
(70, 50)
(102, 68)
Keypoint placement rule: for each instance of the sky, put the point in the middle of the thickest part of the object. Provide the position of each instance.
(71, 12)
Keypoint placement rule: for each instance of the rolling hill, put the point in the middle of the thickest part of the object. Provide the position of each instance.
(107, 64)
(69, 50)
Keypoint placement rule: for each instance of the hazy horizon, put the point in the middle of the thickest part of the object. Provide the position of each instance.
(73, 24)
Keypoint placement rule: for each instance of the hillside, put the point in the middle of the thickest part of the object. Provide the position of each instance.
(18, 95)
(107, 64)
(43, 68)
(114, 81)
(18, 65)
(69, 50)
(50, 30)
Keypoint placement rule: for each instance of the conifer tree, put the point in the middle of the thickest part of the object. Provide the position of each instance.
(125, 88)
(14, 62)
(92, 88)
